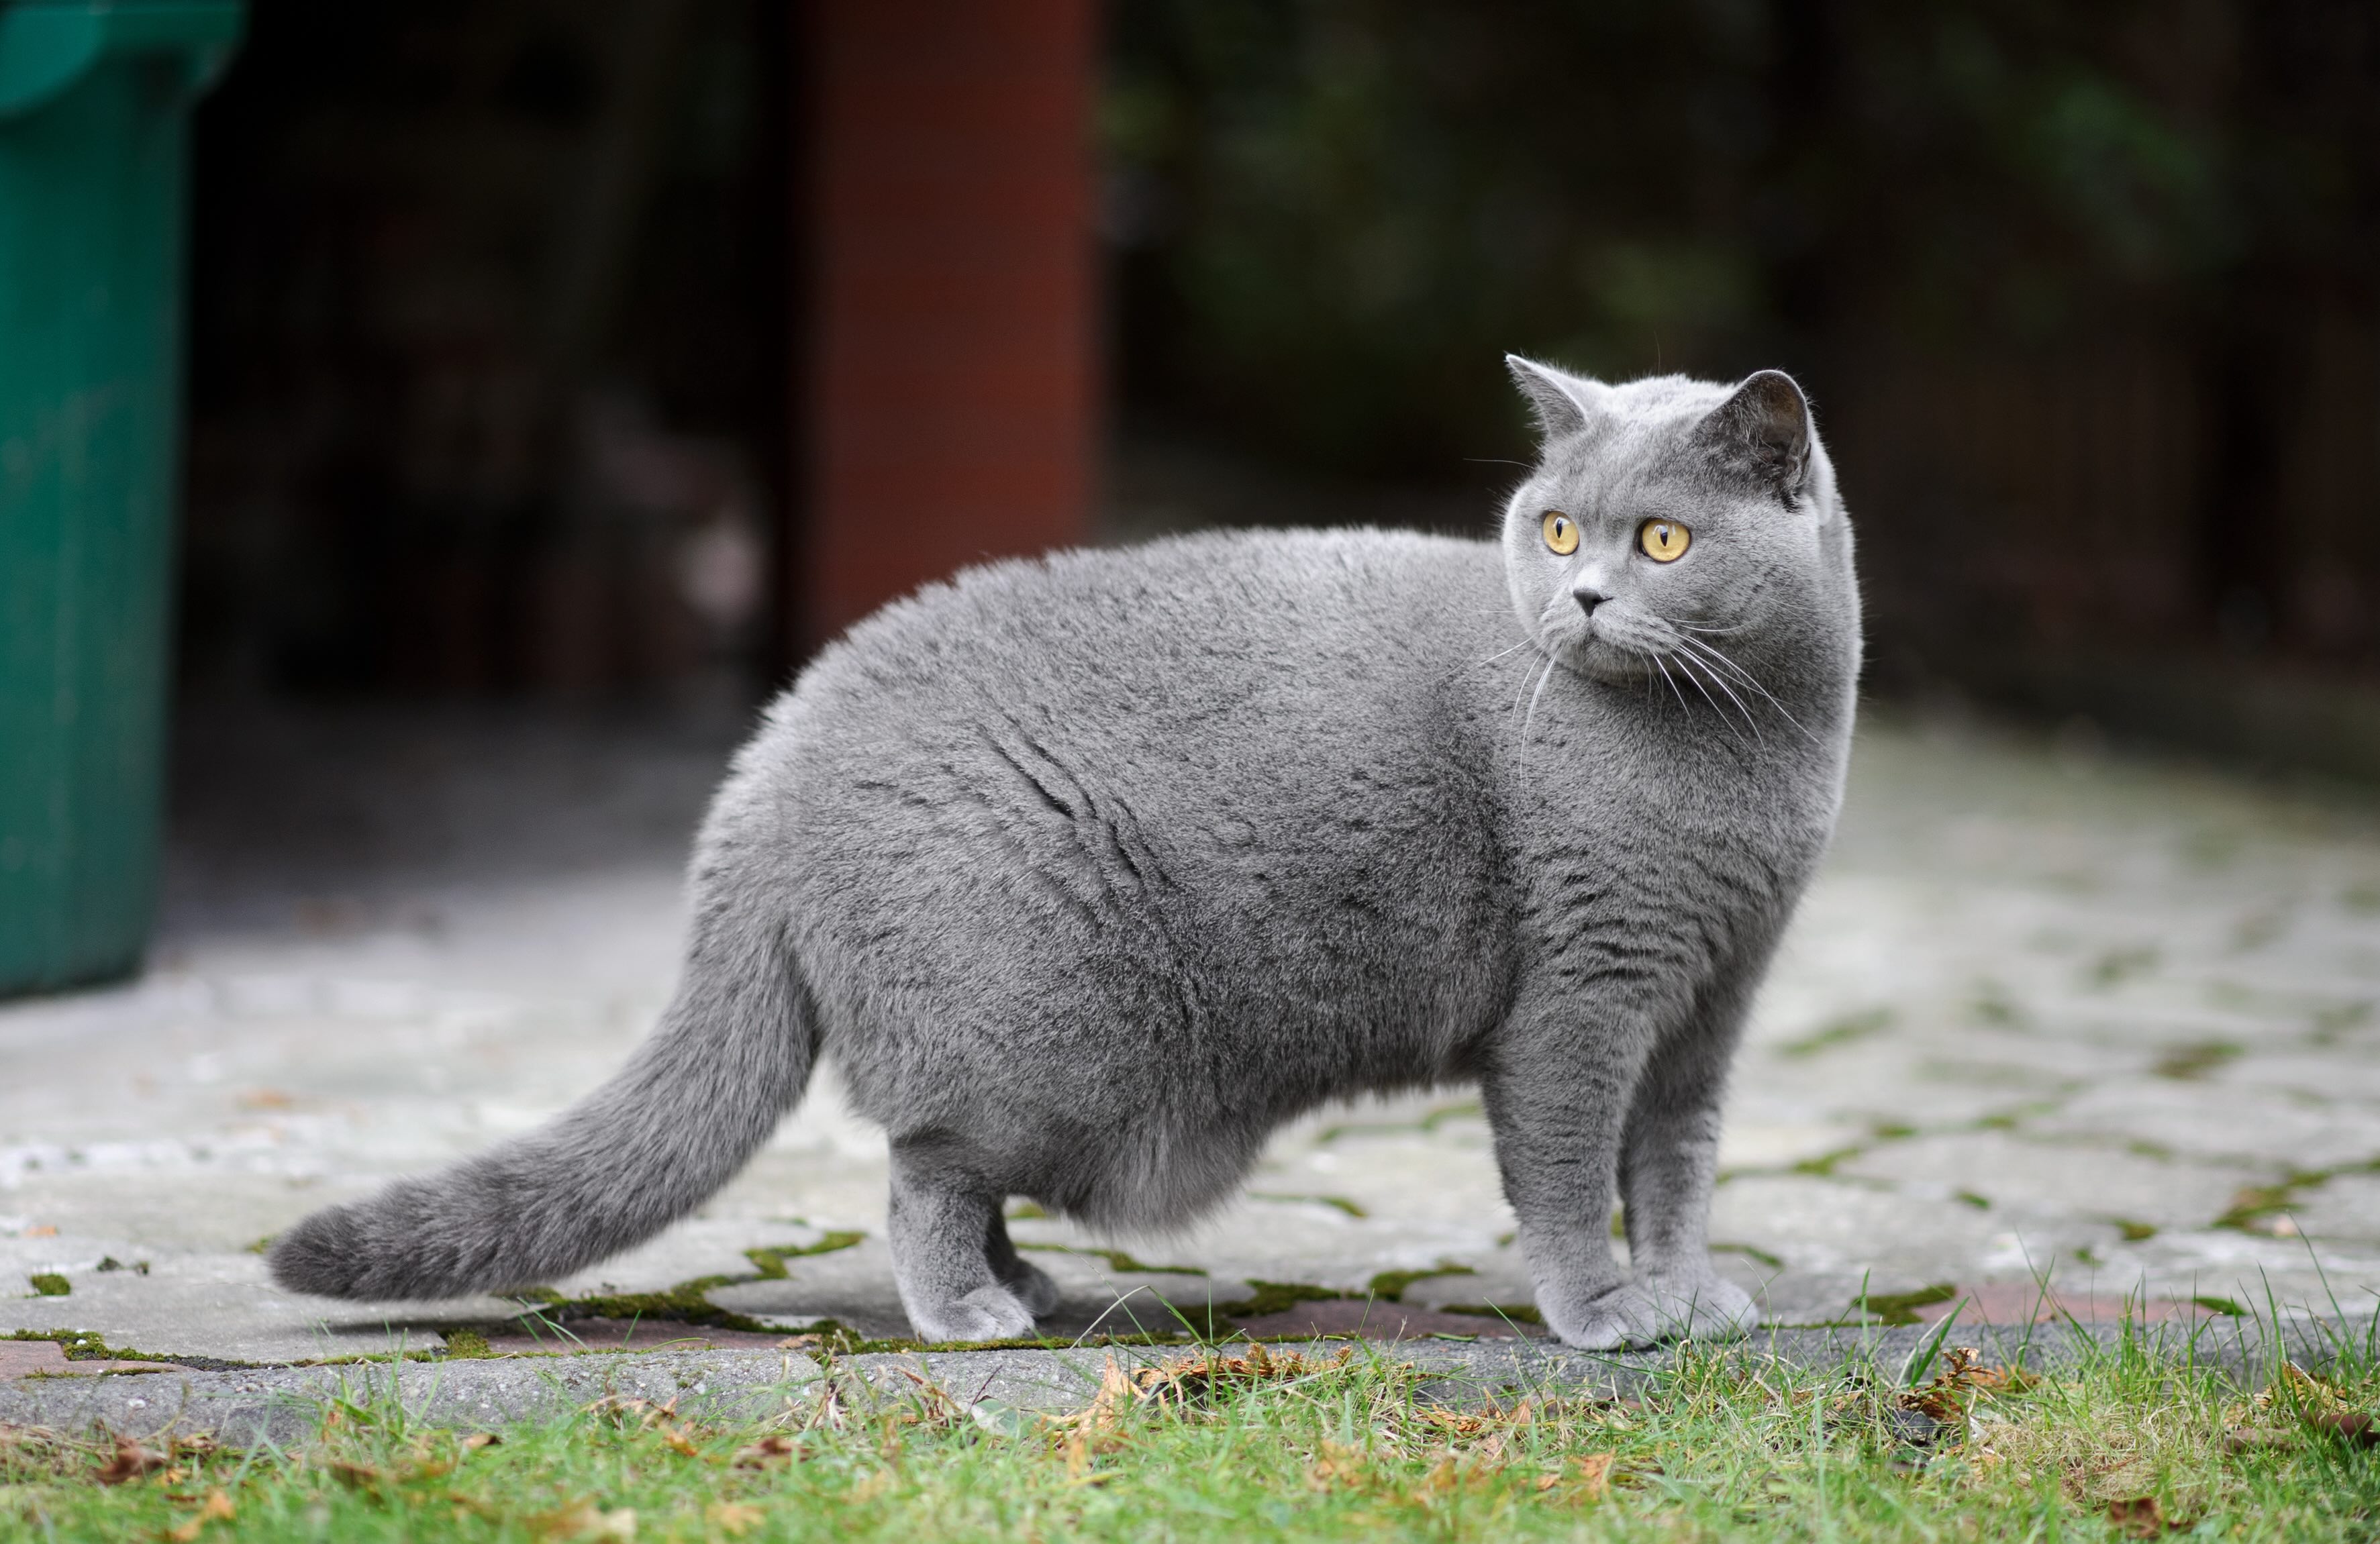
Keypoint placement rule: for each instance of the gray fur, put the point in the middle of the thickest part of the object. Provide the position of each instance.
(1091, 871)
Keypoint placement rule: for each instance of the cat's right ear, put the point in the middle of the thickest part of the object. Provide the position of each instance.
(1560, 400)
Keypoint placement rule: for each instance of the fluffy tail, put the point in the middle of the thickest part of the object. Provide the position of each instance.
(730, 1057)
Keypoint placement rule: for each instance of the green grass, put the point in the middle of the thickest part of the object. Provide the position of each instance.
(1732, 1445)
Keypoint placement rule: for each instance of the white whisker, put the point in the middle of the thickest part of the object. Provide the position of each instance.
(1686, 663)
(1662, 666)
(1712, 656)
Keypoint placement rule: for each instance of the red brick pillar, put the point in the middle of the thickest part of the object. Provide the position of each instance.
(949, 389)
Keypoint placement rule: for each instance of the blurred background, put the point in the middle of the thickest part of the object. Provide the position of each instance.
(584, 348)
(555, 376)
(558, 363)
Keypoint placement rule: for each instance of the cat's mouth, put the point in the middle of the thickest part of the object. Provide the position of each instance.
(1617, 645)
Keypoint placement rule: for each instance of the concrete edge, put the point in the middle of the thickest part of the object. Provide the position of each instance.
(285, 1406)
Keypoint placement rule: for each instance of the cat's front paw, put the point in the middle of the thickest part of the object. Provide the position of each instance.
(1618, 1317)
(1700, 1306)
(987, 1313)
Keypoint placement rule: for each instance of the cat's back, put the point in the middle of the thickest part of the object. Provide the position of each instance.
(1180, 636)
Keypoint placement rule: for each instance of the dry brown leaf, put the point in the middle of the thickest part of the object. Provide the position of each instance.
(1187, 1377)
(733, 1518)
(589, 1523)
(1336, 1465)
(1595, 1474)
(216, 1508)
(2353, 1425)
(773, 1449)
(356, 1474)
(130, 1461)
(2248, 1439)
(479, 1439)
(1442, 1477)
(2139, 1517)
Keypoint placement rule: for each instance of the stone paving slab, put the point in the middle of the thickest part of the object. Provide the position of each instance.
(285, 1406)
(2112, 1025)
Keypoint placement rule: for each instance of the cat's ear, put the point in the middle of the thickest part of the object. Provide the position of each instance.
(1562, 401)
(1764, 429)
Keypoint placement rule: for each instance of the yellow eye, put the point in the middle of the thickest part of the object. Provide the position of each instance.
(1561, 532)
(1664, 541)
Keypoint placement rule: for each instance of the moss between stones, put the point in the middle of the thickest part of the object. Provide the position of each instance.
(1390, 1285)
(51, 1285)
(1839, 1031)
(1748, 1251)
(688, 1302)
(1900, 1308)
(770, 1263)
(86, 1345)
(1521, 1314)
(1273, 1297)
(1337, 1203)
(1118, 1260)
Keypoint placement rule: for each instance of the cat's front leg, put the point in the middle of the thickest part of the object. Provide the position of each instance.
(1668, 1165)
(1558, 1104)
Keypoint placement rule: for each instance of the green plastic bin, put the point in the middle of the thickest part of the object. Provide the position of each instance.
(94, 110)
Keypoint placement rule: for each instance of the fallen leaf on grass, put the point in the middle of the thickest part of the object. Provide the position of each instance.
(661, 1418)
(216, 1508)
(1336, 1465)
(1096, 1428)
(767, 1451)
(2356, 1425)
(588, 1522)
(2250, 1439)
(1442, 1477)
(479, 1439)
(1185, 1377)
(2140, 1517)
(999, 1417)
(733, 1518)
(1595, 1474)
(130, 1462)
(1951, 1394)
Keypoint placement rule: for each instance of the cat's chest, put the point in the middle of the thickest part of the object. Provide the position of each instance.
(1722, 841)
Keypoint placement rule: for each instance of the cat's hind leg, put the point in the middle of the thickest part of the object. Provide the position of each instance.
(942, 1221)
(1033, 1286)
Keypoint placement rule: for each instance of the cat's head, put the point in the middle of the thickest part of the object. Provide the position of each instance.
(1670, 518)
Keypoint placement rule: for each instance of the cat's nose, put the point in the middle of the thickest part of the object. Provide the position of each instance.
(1589, 598)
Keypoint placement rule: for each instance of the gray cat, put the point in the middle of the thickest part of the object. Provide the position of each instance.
(1091, 871)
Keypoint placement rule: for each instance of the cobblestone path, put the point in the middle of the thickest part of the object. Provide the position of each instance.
(2054, 1031)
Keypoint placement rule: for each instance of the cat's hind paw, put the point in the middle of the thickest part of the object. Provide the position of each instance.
(987, 1313)
(1034, 1287)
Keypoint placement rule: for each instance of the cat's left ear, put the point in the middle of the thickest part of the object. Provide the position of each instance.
(1764, 429)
